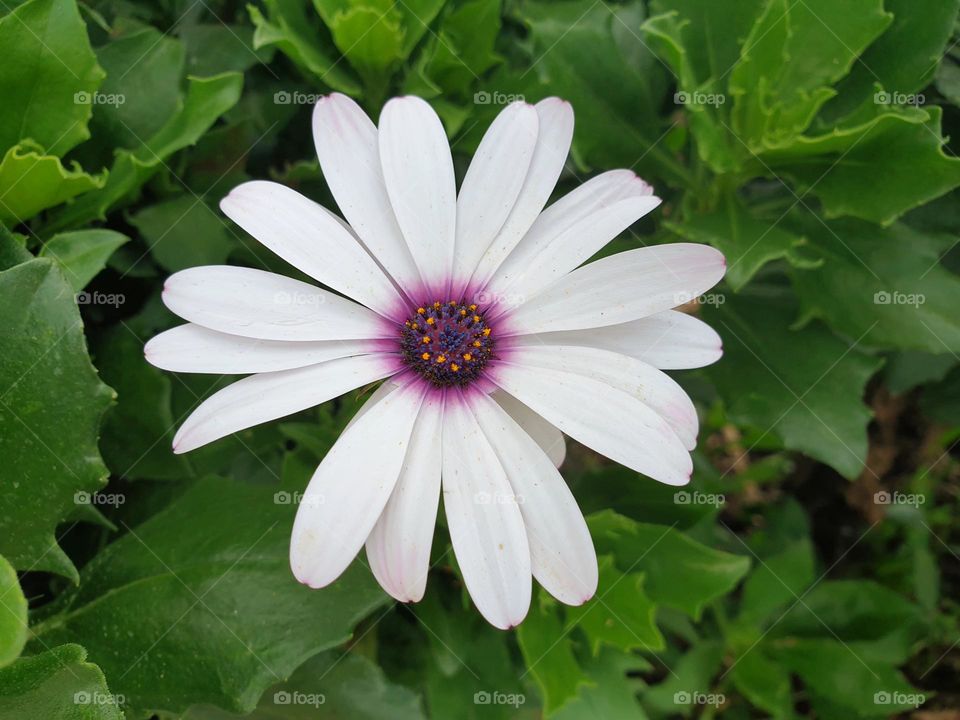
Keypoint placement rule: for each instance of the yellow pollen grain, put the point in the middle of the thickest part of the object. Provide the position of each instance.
(441, 358)
(421, 311)
(463, 313)
(436, 305)
(476, 343)
(454, 367)
(426, 339)
(425, 356)
(476, 318)
(473, 307)
(486, 331)
(468, 357)
(430, 321)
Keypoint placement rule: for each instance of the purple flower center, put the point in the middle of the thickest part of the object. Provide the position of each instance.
(448, 344)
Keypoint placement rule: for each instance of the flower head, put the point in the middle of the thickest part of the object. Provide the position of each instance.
(490, 334)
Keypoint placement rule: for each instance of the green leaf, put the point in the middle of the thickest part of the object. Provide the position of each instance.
(207, 581)
(463, 48)
(548, 652)
(804, 386)
(904, 59)
(83, 253)
(138, 430)
(883, 286)
(184, 232)
(214, 48)
(794, 53)
(701, 42)
(31, 181)
(48, 70)
(206, 100)
(611, 692)
(876, 170)
(678, 571)
(52, 403)
(620, 614)
(906, 370)
(775, 582)
(764, 682)
(13, 614)
(593, 55)
(287, 27)
(747, 242)
(689, 683)
(331, 685)
(142, 89)
(57, 685)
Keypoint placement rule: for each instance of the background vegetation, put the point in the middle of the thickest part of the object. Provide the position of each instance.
(811, 568)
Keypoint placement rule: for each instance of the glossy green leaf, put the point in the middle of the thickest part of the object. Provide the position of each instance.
(814, 406)
(207, 581)
(13, 614)
(678, 571)
(58, 684)
(83, 253)
(883, 286)
(52, 403)
(48, 76)
(31, 181)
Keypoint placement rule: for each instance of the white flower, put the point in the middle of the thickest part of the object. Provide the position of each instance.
(491, 336)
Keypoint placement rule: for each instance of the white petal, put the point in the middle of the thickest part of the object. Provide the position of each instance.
(491, 186)
(543, 433)
(553, 144)
(669, 340)
(311, 239)
(195, 349)
(486, 527)
(572, 209)
(399, 545)
(348, 491)
(561, 551)
(602, 417)
(652, 387)
(620, 288)
(346, 142)
(258, 304)
(418, 170)
(268, 396)
(574, 246)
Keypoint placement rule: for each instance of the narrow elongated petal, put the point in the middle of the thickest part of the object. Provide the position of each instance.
(492, 185)
(652, 387)
(195, 349)
(399, 545)
(312, 240)
(258, 304)
(268, 396)
(575, 245)
(348, 491)
(553, 143)
(544, 434)
(561, 551)
(418, 171)
(622, 287)
(349, 153)
(602, 417)
(669, 340)
(486, 527)
(571, 210)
